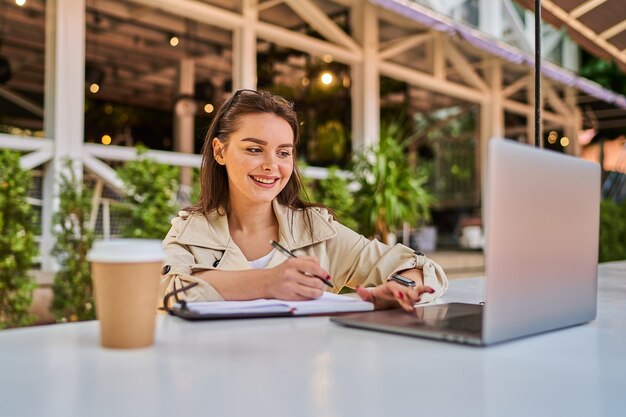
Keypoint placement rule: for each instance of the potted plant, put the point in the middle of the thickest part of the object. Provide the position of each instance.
(391, 190)
(72, 286)
(17, 243)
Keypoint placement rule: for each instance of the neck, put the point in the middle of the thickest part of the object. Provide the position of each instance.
(250, 217)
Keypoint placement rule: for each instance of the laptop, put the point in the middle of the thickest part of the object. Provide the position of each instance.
(542, 228)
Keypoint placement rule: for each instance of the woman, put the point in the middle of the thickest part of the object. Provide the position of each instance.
(250, 195)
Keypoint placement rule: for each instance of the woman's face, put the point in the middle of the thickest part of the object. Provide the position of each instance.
(258, 158)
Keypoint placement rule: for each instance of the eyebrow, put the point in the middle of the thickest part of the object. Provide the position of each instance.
(262, 142)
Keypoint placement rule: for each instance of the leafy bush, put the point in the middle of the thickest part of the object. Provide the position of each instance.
(333, 192)
(151, 190)
(17, 243)
(612, 231)
(72, 287)
(391, 191)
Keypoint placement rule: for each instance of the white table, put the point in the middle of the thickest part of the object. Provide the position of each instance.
(311, 367)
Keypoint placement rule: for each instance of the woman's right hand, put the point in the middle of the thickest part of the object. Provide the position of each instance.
(294, 279)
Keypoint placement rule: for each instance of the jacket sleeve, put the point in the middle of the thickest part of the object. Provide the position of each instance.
(368, 263)
(180, 265)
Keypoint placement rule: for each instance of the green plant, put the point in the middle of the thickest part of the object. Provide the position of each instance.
(333, 191)
(391, 191)
(612, 231)
(151, 190)
(72, 287)
(330, 143)
(17, 243)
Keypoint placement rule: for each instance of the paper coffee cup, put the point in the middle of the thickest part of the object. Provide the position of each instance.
(126, 275)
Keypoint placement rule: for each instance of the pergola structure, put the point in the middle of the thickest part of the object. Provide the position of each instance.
(399, 39)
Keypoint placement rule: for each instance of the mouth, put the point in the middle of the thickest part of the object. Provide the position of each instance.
(264, 181)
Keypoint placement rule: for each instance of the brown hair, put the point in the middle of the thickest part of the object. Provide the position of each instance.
(214, 191)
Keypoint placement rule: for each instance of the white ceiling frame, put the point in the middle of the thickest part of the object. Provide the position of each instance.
(462, 66)
(518, 25)
(319, 21)
(398, 46)
(550, 41)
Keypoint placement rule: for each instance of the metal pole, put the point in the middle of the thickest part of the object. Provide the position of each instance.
(538, 135)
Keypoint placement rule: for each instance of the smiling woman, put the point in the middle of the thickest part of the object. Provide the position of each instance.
(250, 195)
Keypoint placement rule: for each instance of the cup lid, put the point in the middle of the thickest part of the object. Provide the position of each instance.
(126, 251)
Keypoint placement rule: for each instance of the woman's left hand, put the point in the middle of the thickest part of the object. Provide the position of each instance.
(391, 294)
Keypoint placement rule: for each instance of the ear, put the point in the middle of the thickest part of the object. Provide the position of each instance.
(218, 149)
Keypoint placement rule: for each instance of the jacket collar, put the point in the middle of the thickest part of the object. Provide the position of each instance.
(212, 231)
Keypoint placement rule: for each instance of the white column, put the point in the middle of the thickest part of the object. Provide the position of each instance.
(490, 17)
(571, 55)
(64, 104)
(244, 48)
(365, 85)
(184, 115)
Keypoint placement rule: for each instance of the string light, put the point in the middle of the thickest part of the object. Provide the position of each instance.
(552, 137)
(20, 2)
(327, 78)
(106, 140)
(564, 141)
(174, 41)
(208, 108)
(94, 88)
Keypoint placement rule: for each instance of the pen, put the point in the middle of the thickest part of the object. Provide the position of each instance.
(291, 255)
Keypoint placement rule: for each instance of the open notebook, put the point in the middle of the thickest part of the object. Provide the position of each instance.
(326, 304)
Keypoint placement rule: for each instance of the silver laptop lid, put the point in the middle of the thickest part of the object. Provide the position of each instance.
(542, 225)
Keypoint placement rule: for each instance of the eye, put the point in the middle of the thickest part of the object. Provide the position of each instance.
(254, 149)
(284, 154)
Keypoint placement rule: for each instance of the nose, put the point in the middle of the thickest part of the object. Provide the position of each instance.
(269, 163)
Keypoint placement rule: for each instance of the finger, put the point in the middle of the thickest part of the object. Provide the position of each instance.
(310, 281)
(309, 293)
(312, 266)
(403, 299)
(365, 294)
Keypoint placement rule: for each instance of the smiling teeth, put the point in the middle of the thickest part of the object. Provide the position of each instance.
(263, 180)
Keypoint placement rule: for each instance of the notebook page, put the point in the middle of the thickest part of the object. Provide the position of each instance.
(327, 303)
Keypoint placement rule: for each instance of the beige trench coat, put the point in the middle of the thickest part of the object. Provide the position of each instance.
(197, 243)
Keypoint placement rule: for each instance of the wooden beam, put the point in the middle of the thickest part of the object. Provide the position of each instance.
(319, 21)
(316, 47)
(439, 60)
(398, 46)
(515, 86)
(583, 29)
(462, 66)
(585, 7)
(431, 83)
